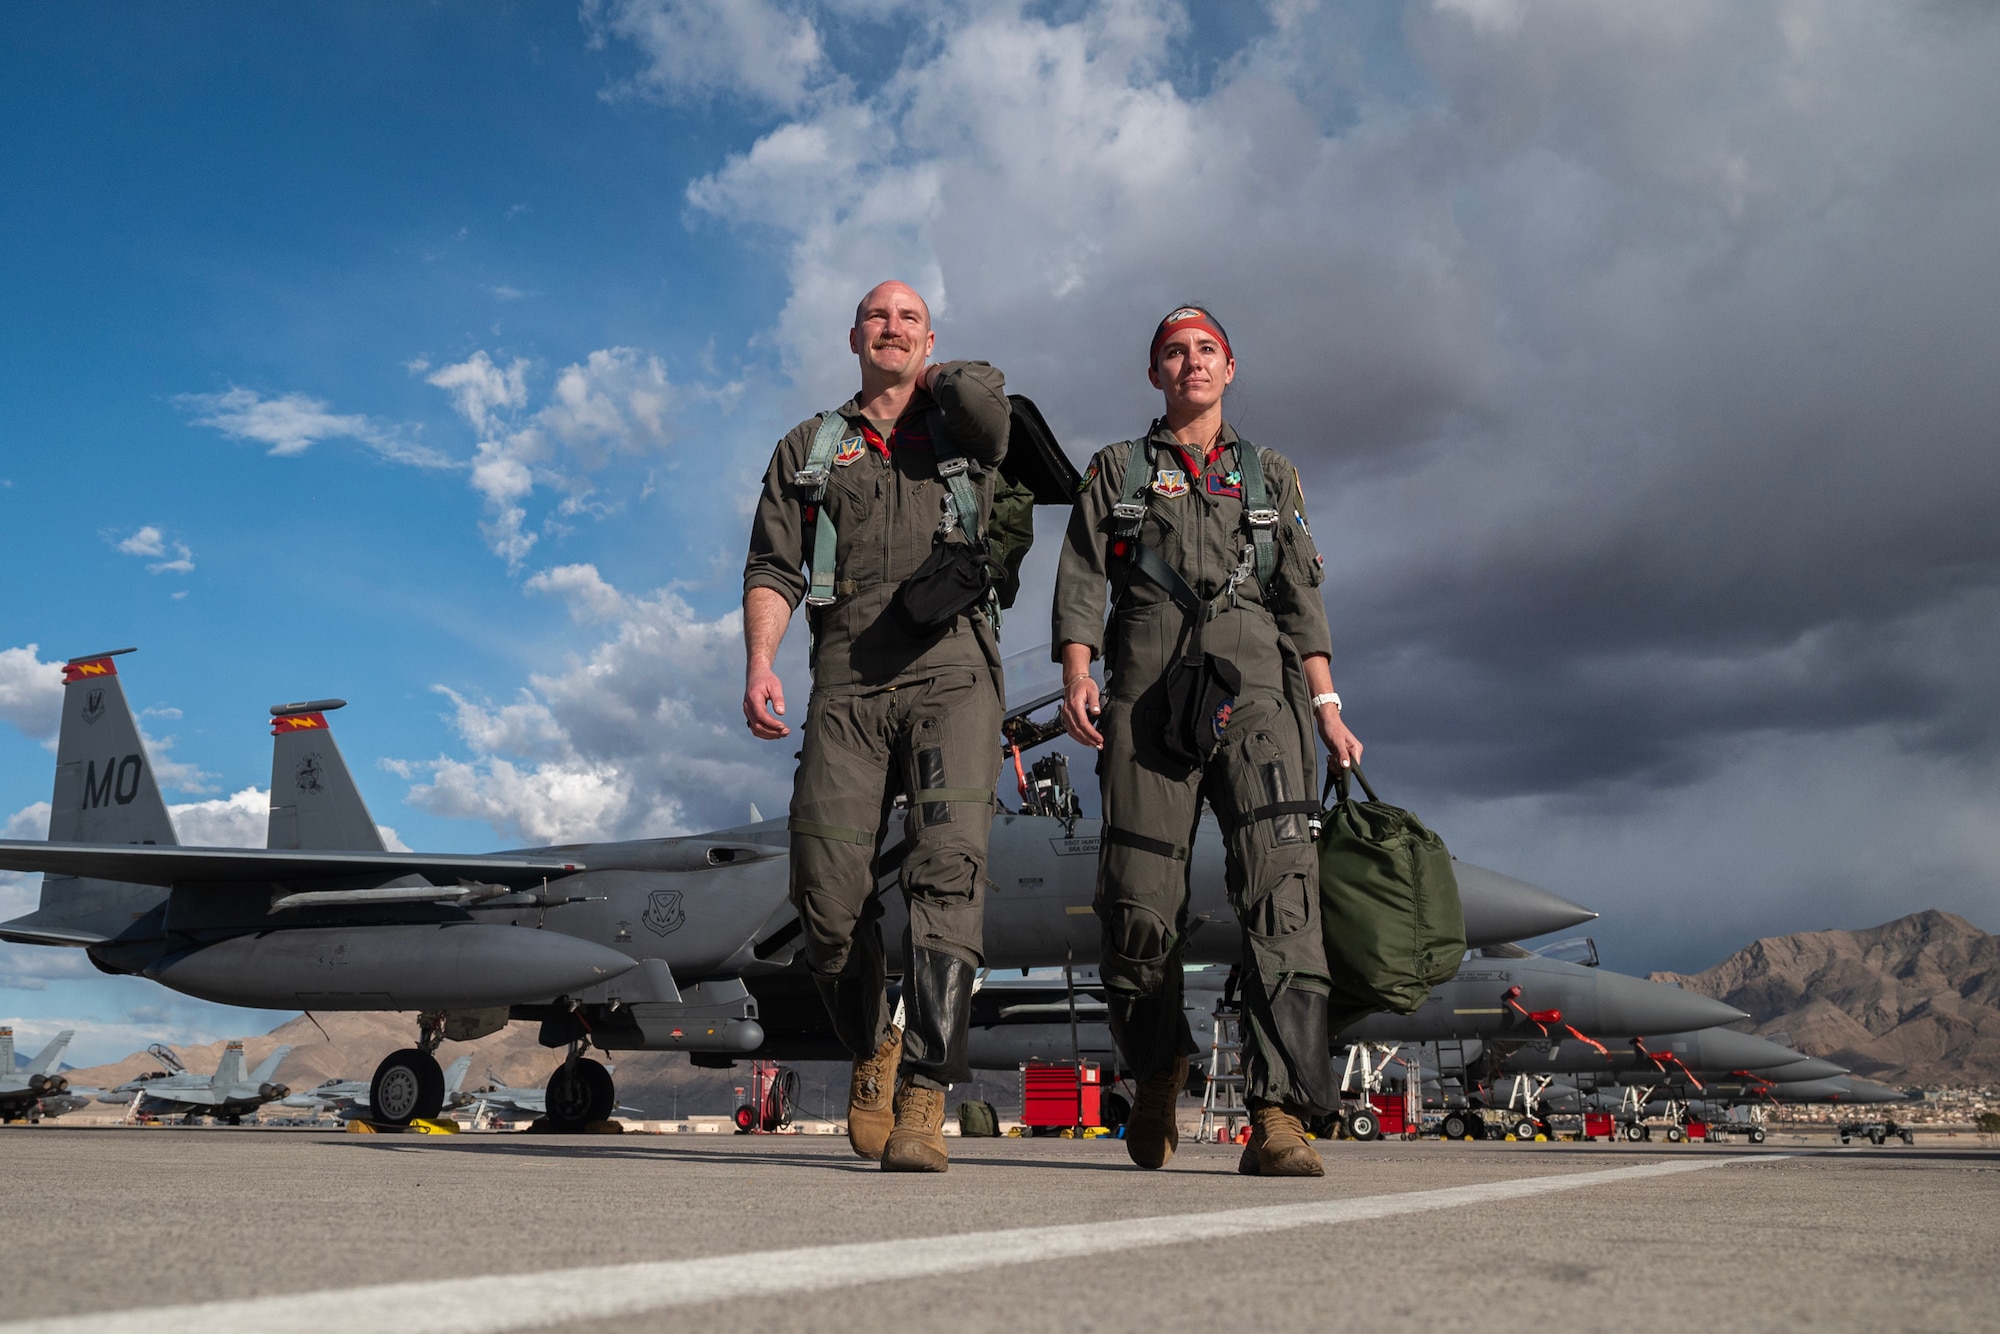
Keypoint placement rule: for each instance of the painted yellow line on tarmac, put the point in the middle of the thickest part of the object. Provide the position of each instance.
(485, 1303)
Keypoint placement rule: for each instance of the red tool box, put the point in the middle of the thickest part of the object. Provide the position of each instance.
(1049, 1095)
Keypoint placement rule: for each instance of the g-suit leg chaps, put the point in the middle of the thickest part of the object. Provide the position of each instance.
(1151, 806)
(936, 742)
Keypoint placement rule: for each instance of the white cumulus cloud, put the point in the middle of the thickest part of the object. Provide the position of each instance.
(240, 820)
(753, 50)
(150, 541)
(31, 691)
(290, 424)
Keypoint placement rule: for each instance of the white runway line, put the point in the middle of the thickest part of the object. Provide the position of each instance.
(507, 1301)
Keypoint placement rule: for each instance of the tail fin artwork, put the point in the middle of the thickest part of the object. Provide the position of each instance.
(314, 802)
(229, 1070)
(45, 1061)
(454, 1075)
(105, 791)
(268, 1067)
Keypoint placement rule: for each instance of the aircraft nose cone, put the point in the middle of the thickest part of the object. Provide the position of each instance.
(1810, 1067)
(1727, 1049)
(1632, 1005)
(1499, 908)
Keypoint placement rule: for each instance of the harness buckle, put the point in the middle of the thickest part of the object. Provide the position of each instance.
(827, 601)
(1129, 511)
(952, 467)
(816, 478)
(1261, 518)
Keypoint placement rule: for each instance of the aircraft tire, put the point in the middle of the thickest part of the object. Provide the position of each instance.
(1456, 1126)
(1635, 1132)
(407, 1086)
(1757, 1136)
(1525, 1129)
(576, 1099)
(1363, 1125)
(1675, 1134)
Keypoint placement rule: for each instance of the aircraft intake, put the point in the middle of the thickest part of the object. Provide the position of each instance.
(431, 966)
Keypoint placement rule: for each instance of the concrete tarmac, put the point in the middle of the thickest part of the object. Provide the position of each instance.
(107, 1222)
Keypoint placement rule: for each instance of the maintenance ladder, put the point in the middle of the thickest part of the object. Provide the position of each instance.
(1222, 1100)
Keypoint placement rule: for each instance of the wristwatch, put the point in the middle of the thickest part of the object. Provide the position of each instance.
(1330, 697)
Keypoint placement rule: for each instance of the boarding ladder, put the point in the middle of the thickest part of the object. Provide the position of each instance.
(1222, 1107)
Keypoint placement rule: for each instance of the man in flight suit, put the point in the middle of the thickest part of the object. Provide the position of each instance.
(1198, 532)
(896, 710)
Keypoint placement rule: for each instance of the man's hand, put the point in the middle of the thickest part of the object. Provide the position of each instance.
(1342, 746)
(764, 696)
(765, 614)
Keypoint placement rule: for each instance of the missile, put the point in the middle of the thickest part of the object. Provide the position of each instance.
(433, 966)
(1799, 1071)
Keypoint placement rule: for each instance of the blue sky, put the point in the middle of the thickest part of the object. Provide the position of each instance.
(425, 356)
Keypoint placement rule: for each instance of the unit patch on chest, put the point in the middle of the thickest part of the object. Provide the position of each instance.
(1220, 484)
(850, 450)
(1170, 482)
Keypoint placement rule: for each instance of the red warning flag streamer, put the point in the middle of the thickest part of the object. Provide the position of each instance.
(1602, 1050)
(1020, 774)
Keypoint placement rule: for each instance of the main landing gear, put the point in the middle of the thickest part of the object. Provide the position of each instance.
(578, 1093)
(408, 1086)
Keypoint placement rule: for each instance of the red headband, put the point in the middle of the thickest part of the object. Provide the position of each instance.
(1187, 317)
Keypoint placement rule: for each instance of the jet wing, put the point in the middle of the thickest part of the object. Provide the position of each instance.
(149, 864)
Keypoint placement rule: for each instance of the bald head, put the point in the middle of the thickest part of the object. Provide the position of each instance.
(892, 337)
(886, 298)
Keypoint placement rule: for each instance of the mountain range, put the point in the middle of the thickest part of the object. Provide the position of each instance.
(1913, 1001)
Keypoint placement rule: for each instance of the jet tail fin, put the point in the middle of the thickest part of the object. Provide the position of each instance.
(454, 1075)
(6, 1051)
(229, 1070)
(105, 791)
(268, 1067)
(45, 1060)
(314, 801)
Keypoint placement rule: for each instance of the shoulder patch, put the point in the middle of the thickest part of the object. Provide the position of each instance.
(1089, 476)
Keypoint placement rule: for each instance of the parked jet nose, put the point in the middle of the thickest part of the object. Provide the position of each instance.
(1808, 1067)
(1631, 1005)
(1499, 908)
(1727, 1049)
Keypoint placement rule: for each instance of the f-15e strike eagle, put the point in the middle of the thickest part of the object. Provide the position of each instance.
(678, 944)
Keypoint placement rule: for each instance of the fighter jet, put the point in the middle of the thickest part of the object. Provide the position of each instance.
(686, 944)
(496, 1100)
(228, 1095)
(23, 1091)
(347, 1099)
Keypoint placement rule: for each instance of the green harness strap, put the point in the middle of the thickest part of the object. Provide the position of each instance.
(1258, 516)
(961, 506)
(814, 477)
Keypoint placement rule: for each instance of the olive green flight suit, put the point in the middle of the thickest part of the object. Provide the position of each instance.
(892, 714)
(1265, 757)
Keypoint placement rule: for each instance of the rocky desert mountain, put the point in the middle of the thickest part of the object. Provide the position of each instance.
(1913, 1001)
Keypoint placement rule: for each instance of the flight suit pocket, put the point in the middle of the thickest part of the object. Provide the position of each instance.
(1302, 558)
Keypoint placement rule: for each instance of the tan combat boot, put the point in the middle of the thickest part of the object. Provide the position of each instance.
(1277, 1146)
(870, 1097)
(1152, 1131)
(917, 1142)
